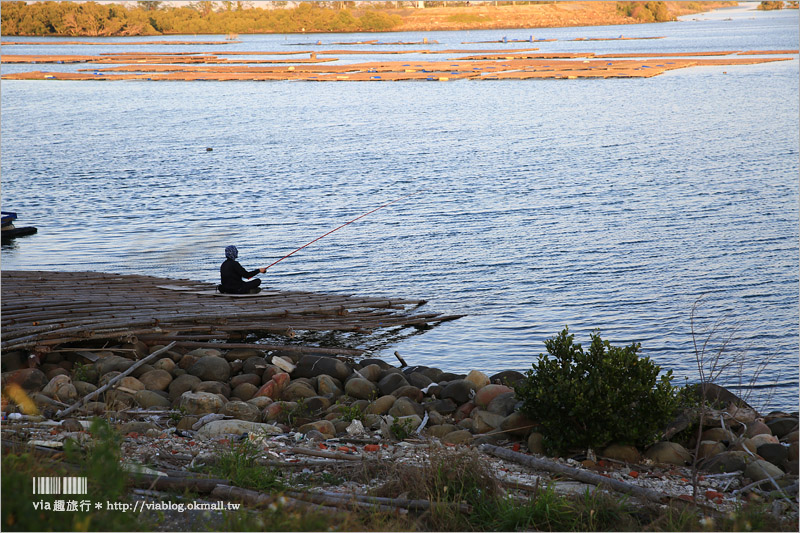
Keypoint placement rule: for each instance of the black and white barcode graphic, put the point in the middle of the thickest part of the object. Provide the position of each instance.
(59, 485)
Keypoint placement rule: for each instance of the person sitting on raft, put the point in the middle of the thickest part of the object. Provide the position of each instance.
(232, 273)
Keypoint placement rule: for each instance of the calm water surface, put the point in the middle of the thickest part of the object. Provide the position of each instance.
(616, 205)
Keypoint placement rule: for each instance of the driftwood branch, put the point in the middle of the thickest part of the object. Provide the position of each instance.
(64, 412)
(327, 455)
(334, 498)
(191, 483)
(575, 473)
(261, 499)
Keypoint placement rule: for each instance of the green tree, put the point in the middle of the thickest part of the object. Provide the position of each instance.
(591, 399)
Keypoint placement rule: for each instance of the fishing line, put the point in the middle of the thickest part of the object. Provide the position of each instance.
(343, 225)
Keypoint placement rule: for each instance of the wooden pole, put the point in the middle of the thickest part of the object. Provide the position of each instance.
(574, 473)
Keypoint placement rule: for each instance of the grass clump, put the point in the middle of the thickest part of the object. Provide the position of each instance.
(589, 399)
(99, 462)
(239, 465)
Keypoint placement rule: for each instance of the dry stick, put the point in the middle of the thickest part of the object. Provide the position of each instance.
(195, 484)
(411, 505)
(252, 497)
(350, 501)
(327, 455)
(63, 413)
(580, 475)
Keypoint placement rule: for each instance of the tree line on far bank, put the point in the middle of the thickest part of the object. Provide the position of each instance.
(150, 18)
(204, 17)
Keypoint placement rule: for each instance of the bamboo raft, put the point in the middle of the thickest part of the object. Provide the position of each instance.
(493, 65)
(47, 311)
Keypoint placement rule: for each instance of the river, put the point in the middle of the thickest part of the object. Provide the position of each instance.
(620, 205)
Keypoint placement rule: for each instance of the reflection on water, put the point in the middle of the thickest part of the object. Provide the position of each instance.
(610, 204)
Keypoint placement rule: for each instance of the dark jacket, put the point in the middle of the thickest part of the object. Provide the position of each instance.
(231, 273)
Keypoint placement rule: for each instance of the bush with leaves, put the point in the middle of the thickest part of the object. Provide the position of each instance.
(591, 399)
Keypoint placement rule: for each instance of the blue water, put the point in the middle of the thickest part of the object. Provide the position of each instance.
(617, 205)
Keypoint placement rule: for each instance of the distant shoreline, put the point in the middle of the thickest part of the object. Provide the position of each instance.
(73, 20)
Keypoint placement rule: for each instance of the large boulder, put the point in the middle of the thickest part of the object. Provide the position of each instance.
(461, 436)
(325, 427)
(441, 430)
(760, 470)
(298, 389)
(757, 427)
(311, 366)
(166, 364)
(244, 392)
(156, 379)
(508, 377)
(361, 388)
(370, 372)
(214, 387)
(536, 443)
(113, 363)
(484, 421)
(200, 403)
(782, 426)
(622, 452)
(30, 379)
(669, 453)
(327, 385)
(730, 461)
(774, 453)
(211, 368)
(391, 382)
(504, 404)
(409, 391)
(486, 394)
(61, 389)
(478, 378)
(381, 405)
(418, 379)
(182, 384)
(405, 406)
(148, 399)
(253, 379)
(255, 365)
(444, 407)
(516, 423)
(459, 390)
(242, 411)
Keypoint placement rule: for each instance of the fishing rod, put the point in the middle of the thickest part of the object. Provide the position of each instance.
(343, 225)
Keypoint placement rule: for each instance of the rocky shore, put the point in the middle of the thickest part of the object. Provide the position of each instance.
(180, 409)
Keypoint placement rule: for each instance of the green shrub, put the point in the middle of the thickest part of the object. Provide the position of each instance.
(591, 399)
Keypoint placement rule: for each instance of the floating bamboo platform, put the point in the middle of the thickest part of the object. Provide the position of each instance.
(476, 65)
(46, 311)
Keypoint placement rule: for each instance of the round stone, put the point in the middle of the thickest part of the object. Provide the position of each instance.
(381, 406)
(148, 399)
(242, 411)
(182, 384)
(158, 379)
(459, 390)
(200, 403)
(760, 470)
(244, 391)
(669, 453)
(478, 379)
(361, 388)
(211, 368)
(486, 394)
(406, 406)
